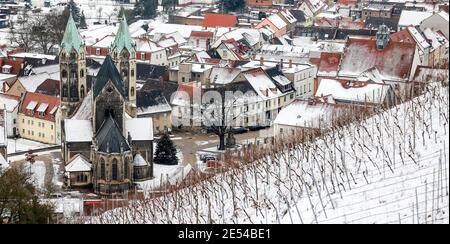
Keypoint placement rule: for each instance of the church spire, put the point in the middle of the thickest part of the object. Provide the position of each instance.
(123, 38)
(72, 38)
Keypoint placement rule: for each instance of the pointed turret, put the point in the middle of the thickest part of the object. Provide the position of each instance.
(123, 38)
(71, 39)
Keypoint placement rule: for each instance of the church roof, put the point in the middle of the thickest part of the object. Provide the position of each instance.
(139, 160)
(123, 38)
(110, 138)
(78, 163)
(107, 72)
(72, 38)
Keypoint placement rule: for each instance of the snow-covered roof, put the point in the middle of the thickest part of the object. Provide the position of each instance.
(435, 38)
(8, 102)
(139, 160)
(223, 75)
(145, 45)
(414, 18)
(39, 75)
(421, 41)
(140, 129)
(368, 92)
(78, 130)
(277, 21)
(84, 112)
(302, 114)
(262, 84)
(444, 15)
(78, 164)
(105, 42)
(33, 55)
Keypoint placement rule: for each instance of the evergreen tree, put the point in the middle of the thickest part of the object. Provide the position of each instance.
(74, 9)
(232, 5)
(145, 9)
(83, 24)
(166, 153)
(168, 4)
(128, 14)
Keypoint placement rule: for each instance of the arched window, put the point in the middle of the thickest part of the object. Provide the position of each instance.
(82, 73)
(102, 169)
(64, 74)
(132, 91)
(114, 169)
(125, 166)
(82, 91)
(65, 92)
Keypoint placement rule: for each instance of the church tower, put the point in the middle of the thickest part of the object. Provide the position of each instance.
(124, 56)
(72, 64)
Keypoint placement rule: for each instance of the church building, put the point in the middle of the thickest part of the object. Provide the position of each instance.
(101, 131)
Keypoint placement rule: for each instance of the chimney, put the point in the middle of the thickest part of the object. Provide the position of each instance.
(261, 61)
(290, 63)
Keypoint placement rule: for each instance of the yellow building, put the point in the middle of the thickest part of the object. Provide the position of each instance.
(39, 118)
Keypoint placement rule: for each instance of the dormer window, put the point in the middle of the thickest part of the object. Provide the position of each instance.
(6, 69)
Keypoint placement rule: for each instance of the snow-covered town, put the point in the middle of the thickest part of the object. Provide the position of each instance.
(224, 111)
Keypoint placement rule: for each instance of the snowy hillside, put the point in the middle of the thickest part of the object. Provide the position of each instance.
(391, 168)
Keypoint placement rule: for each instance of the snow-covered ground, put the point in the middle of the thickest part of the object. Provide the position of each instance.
(165, 175)
(390, 168)
(23, 145)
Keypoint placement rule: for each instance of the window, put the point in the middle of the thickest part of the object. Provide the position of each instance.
(102, 169)
(97, 51)
(23, 131)
(132, 91)
(114, 169)
(125, 168)
(142, 56)
(23, 121)
(14, 121)
(132, 72)
(82, 91)
(51, 127)
(82, 73)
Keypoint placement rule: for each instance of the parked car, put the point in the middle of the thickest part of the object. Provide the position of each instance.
(239, 130)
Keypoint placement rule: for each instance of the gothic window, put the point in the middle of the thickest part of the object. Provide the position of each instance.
(64, 74)
(63, 56)
(124, 73)
(73, 56)
(132, 72)
(82, 73)
(114, 169)
(65, 92)
(125, 168)
(132, 91)
(102, 169)
(82, 91)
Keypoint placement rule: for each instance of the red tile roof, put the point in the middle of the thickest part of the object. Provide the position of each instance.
(50, 111)
(403, 36)
(361, 54)
(329, 62)
(49, 87)
(220, 20)
(202, 34)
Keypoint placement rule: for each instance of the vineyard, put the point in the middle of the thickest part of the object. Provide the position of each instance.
(391, 167)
